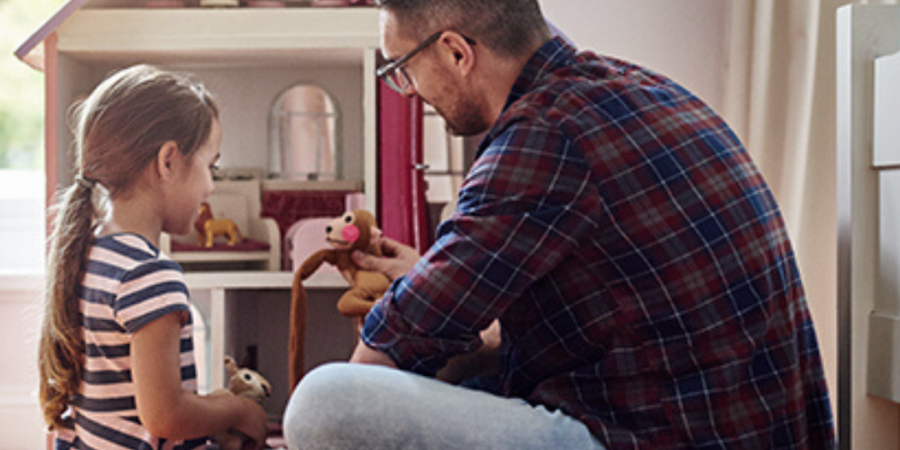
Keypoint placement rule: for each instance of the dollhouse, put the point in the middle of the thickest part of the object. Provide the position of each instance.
(250, 57)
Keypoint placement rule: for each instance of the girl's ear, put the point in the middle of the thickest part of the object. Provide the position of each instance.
(167, 159)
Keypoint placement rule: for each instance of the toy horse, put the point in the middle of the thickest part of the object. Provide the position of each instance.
(208, 227)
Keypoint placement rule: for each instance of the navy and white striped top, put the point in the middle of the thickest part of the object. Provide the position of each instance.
(128, 284)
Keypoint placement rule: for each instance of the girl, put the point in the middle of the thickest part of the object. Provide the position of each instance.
(116, 356)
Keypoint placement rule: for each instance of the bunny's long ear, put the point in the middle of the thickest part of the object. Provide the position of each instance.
(231, 366)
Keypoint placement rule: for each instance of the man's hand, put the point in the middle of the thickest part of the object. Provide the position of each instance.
(485, 361)
(397, 261)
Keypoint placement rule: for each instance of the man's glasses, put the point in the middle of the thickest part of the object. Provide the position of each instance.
(393, 74)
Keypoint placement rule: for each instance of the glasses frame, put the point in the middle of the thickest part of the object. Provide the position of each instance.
(386, 71)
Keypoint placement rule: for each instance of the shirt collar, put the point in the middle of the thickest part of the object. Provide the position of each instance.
(553, 55)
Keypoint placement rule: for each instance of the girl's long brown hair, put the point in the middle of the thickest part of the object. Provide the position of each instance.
(118, 131)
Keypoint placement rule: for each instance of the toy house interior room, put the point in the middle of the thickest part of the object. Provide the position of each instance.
(810, 88)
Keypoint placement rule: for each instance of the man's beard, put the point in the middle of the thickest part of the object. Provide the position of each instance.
(464, 119)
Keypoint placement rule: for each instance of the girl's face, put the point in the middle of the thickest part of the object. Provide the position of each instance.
(194, 184)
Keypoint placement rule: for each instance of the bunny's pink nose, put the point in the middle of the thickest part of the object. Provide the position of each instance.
(350, 233)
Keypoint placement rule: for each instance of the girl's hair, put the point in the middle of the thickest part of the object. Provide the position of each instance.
(119, 130)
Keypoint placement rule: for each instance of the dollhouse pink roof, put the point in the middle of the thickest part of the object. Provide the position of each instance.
(32, 50)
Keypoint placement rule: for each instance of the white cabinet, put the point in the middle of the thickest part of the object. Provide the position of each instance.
(868, 189)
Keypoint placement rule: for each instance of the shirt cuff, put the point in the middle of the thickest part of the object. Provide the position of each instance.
(408, 352)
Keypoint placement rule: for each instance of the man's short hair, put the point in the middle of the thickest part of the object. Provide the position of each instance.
(508, 27)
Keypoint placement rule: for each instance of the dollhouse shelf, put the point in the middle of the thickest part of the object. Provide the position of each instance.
(322, 279)
(221, 36)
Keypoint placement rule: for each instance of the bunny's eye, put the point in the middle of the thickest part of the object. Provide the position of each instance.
(348, 218)
(247, 377)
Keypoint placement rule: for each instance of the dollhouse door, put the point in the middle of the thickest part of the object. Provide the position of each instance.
(401, 202)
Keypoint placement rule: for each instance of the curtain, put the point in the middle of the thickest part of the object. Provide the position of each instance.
(780, 100)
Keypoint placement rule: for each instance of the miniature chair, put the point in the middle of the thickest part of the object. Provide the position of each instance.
(306, 236)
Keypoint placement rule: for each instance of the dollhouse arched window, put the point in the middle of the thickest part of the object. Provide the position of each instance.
(304, 135)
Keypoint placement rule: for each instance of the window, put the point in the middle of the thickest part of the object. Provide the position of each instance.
(304, 133)
(22, 228)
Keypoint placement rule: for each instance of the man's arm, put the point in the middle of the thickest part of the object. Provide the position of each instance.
(398, 259)
(507, 232)
(365, 355)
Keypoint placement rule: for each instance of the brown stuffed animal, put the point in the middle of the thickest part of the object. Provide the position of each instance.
(355, 230)
(208, 227)
(244, 382)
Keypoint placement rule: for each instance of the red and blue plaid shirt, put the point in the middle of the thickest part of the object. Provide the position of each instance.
(638, 264)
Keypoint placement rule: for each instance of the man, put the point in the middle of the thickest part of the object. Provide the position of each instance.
(637, 264)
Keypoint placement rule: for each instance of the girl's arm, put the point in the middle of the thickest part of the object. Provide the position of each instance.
(168, 411)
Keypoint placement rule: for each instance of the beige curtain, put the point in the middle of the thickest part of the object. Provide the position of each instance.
(780, 99)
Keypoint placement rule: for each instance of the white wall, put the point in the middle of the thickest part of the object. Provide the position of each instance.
(20, 418)
(686, 40)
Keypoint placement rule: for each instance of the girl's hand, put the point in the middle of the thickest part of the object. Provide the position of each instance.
(397, 261)
(252, 424)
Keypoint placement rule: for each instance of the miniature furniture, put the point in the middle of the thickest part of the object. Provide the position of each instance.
(302, 238)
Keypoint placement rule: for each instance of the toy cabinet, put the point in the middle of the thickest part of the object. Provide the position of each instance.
(247, 57)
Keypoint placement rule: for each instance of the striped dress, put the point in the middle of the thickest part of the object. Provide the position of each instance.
(129, 283)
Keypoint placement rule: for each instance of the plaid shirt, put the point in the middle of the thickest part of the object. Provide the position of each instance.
(638, 264)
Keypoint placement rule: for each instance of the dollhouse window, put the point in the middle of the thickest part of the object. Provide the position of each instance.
(304, 126)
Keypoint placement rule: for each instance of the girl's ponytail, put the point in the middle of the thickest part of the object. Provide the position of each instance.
(62, 345)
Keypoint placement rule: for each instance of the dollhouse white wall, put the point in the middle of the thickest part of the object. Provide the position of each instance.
(245, 97)
(251, 103)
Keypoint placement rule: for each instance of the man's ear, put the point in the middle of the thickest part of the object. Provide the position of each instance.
(460, 53)
(166, 160)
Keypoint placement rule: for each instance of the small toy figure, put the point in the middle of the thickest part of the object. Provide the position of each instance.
(247, 383)
(208, 227)
(355, 230)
